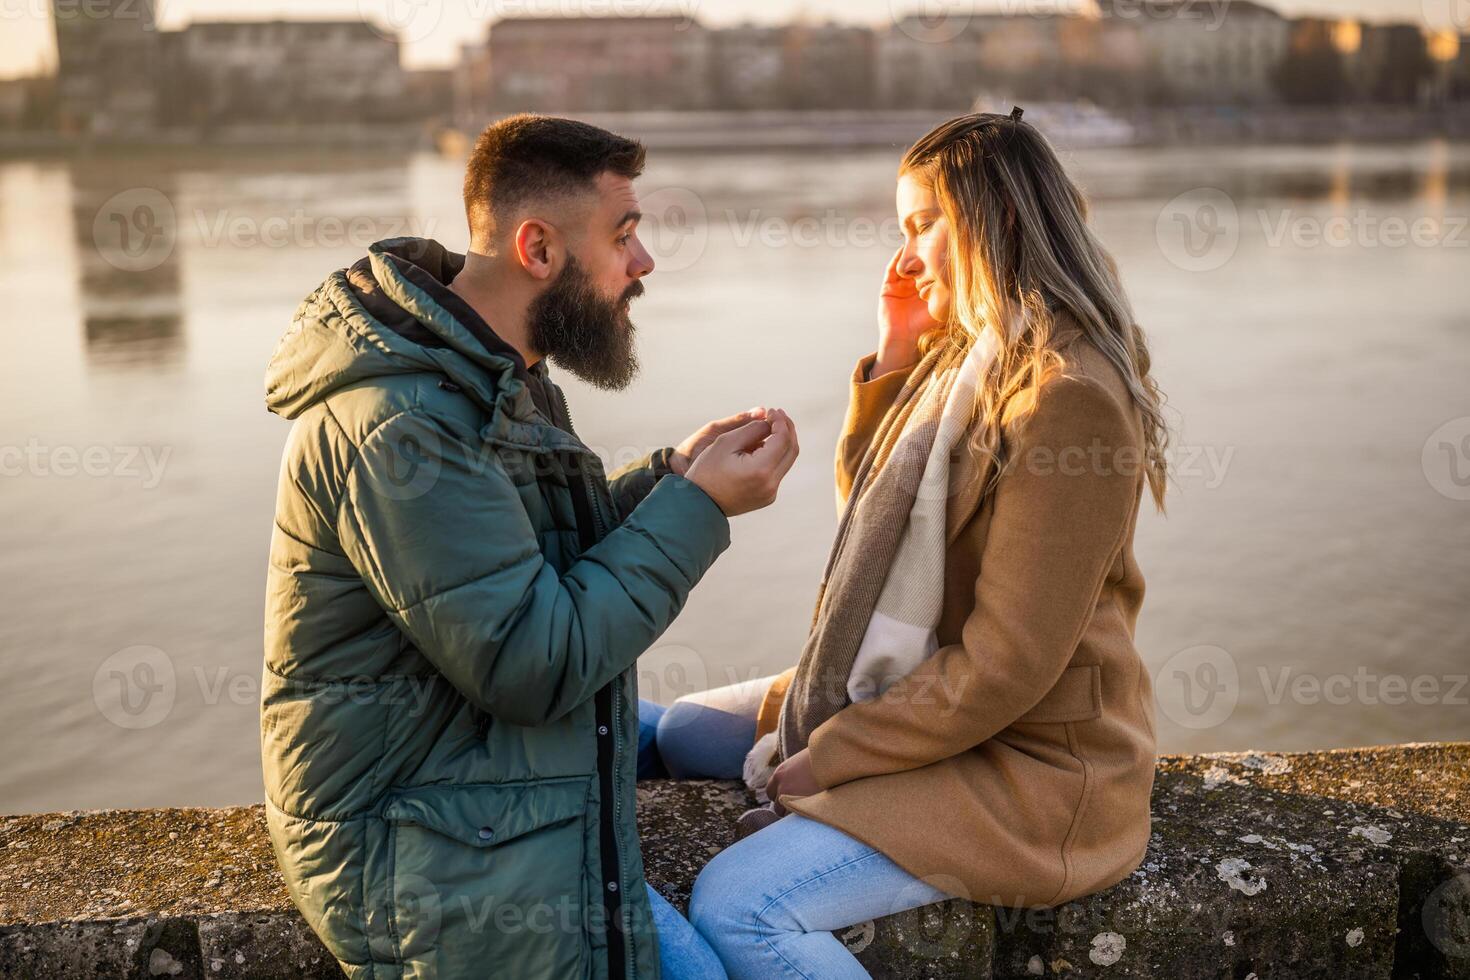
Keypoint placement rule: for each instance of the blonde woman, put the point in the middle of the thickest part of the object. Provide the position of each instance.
(969, 716)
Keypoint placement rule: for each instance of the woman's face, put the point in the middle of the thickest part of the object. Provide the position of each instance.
(925, 257)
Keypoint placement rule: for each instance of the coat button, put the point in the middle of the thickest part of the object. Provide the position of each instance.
(602, 729)
(612, 886)
(486, 833)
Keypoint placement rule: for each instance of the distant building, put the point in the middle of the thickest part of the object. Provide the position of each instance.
(288, 71)
(1314, 70)
(474, 85)
(748, 67)
(828, 66)
(912, 68)
(1391, 65)
(1457, 71)
(107, 66)
(921, 64)
(1202, 52)
(598, 63)
(28, 103)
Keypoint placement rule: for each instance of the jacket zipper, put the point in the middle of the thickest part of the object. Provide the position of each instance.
(609, 746)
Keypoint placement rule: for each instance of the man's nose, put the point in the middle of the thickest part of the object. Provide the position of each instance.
(641, 262)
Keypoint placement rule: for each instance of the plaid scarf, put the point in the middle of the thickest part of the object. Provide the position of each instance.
(883, 589)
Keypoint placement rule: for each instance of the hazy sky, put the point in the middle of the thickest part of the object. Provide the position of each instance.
(434, 29)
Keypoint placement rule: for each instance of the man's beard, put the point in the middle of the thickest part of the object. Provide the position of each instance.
(582, 331)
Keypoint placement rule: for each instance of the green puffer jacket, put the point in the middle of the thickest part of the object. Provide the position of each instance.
(456, 600)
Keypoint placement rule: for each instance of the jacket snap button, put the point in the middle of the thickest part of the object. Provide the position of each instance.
(612, 886)
(486, 833)
(602, 729)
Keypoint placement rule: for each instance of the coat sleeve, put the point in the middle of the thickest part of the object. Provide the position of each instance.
(867, 403)
(439, 534)
(1063, 509)
(631, 483)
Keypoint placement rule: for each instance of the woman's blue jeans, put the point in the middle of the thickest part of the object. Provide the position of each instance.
(767, 906)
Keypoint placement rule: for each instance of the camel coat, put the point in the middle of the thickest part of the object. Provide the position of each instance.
(1013, 767)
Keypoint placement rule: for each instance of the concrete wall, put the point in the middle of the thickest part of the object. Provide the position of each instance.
(1345, 864)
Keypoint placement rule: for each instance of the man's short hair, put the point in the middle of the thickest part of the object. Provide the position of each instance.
(528, 157)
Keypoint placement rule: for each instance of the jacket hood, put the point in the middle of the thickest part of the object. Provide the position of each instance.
(392, 312)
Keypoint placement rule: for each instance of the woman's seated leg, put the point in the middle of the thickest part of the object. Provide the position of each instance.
(768, 904)
(650, 766)
(706, 735)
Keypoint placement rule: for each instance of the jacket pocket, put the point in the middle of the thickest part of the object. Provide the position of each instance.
(487, 879)
(1076, 696)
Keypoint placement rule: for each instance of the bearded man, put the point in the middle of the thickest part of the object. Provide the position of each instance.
(457, 594)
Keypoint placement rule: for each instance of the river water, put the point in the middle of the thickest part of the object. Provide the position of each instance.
(1309, 309)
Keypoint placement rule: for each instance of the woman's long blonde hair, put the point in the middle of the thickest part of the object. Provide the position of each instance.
(1020, 252)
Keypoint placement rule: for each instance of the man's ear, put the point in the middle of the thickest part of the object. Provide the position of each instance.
(535, 247)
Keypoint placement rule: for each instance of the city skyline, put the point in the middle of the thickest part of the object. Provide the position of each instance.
(433, 30)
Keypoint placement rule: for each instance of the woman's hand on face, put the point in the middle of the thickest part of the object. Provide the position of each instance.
(903, 317)
(793, 777)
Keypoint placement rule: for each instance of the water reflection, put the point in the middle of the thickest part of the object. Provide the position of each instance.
(153, 290)
(125, 233)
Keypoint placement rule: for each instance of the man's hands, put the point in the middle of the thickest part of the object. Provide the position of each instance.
(688, 451)
(793, 777)
(741, 468)
(903, 317)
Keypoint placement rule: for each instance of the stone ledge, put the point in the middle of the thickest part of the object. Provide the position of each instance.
(1344, 864)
